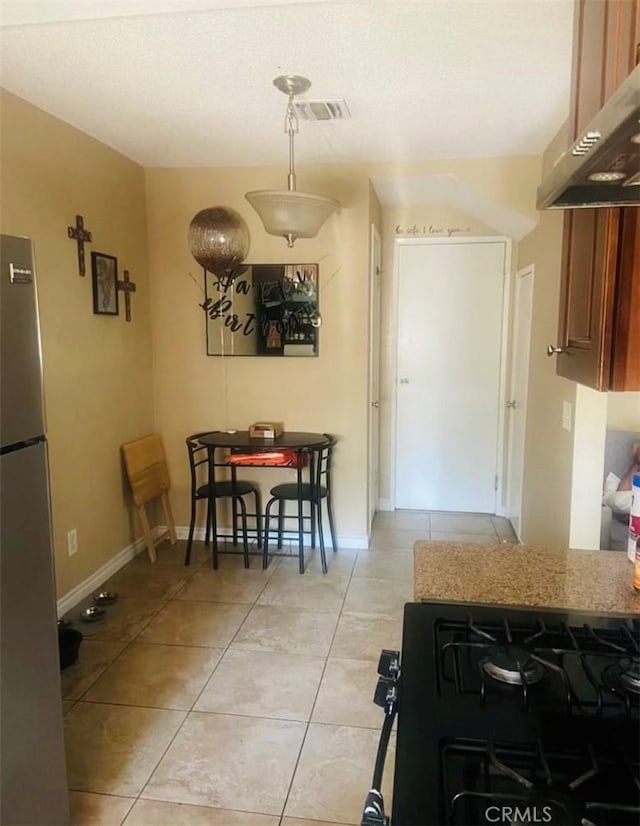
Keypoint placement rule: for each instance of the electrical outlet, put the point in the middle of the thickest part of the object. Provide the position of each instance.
(72, 542)
(566, 415)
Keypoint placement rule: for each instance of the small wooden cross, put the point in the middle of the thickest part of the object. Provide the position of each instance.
(81, 235)
(127, 287)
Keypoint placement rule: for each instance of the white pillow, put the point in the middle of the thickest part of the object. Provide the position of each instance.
(620, 502)
(611, 483)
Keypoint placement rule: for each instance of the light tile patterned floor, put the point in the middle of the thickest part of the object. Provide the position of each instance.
(243, 698)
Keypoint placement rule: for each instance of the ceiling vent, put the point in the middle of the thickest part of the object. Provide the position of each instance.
(322, 109)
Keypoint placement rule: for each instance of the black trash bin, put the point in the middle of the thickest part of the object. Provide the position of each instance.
(69, 640)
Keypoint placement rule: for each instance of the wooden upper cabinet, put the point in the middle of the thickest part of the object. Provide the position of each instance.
(600, 291)
(625, 364)
(622, 42)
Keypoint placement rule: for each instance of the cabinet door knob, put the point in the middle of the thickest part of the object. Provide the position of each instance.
(404, 381)
(553, 351)
(375, 404)
(512, 404)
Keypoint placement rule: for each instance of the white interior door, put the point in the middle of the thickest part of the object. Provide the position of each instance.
(375, 283)
(517, 403)
(450, 298)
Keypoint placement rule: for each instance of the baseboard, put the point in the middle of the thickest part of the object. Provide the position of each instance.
(95, 580)
(182, 532)
(354, 541)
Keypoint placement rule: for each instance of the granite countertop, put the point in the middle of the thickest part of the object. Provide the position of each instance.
(522, 575)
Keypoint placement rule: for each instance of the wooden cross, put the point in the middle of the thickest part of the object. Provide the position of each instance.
(127, 287)
(81, 235)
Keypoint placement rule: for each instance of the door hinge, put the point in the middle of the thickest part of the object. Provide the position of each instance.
(496, 480)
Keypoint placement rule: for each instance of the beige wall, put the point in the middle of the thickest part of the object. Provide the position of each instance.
(509, 182)
(195, 392)
(548, 457)
(623, 411)
(549, 448)
(375, 209)
(589, 431)
(97, 370)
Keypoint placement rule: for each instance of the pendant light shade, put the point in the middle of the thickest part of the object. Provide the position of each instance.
(219, 240)
(288, 212)
(291, 214)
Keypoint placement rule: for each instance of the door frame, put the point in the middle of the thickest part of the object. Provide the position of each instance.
(504, 349)
(375, 273)
(521, 273)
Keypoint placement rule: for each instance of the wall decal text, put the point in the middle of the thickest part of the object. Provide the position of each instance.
(431, 229)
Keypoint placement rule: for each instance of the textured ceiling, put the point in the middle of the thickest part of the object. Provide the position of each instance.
(422, 78)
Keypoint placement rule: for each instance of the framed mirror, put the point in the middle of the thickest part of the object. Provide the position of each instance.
(266, 310)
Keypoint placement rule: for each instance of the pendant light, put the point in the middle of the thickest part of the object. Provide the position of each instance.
(290, 213)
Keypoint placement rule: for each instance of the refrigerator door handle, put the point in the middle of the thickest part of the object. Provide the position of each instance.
(4, 449)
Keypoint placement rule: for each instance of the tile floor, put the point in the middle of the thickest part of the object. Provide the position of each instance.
(242, 697)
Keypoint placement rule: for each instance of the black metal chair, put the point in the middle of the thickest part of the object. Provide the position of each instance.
(200, 466)
(317, 490)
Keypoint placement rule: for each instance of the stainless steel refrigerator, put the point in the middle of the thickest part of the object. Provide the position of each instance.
(33, 784)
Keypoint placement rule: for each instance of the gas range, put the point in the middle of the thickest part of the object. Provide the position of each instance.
(512, 716)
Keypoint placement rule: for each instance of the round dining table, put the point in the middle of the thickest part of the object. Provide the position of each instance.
(239, 440)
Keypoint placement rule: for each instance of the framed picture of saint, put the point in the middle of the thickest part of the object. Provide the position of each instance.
(104, 272)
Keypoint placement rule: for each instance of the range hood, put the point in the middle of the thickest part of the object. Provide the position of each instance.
(602, 168)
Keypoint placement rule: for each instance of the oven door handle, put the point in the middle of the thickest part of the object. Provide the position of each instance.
(373, 814)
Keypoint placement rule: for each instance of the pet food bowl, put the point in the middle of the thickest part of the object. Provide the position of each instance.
(69, 640)
(105, 598)
(93, 614)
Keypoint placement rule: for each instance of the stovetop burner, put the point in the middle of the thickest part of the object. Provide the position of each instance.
(513, 665)
(581, 669)
(623, 677)
(630, 676)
